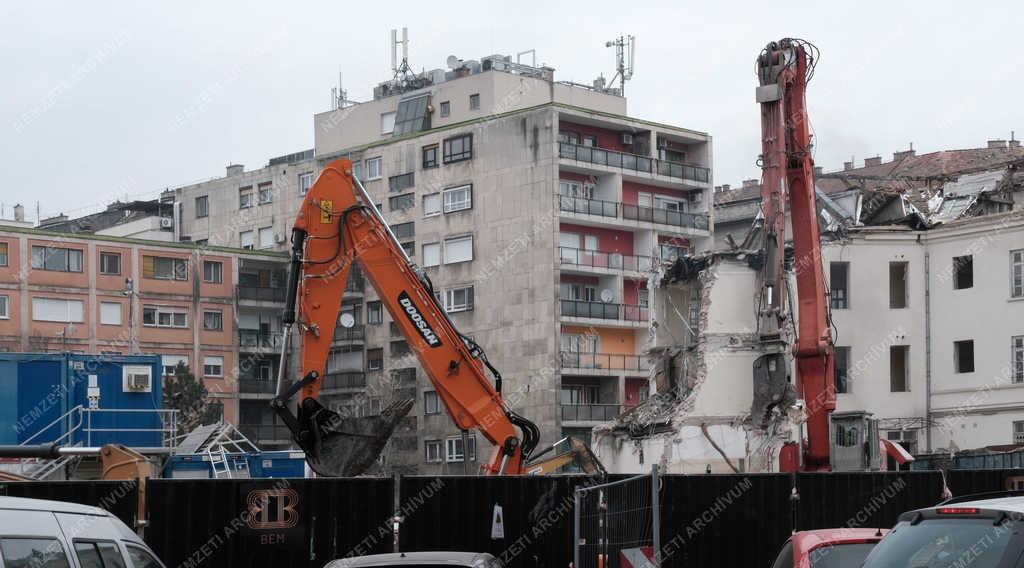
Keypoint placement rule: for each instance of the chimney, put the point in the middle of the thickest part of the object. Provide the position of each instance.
(725, 187)
(997, 143)
(19, 213)
(870, 162)
(235, 169)
(818, 170)
(903, 154)
(847, 166)
(751, 182)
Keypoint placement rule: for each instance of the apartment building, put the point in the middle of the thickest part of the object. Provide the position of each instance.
(88, 293)
(537, 209)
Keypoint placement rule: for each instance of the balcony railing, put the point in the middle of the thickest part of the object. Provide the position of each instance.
(344, 380)
(254, 338)
(588, 206)
(665, 216)
(261, 386)
(356, 282)
(590, 412)
(604, 361)
(603, 310)
(263, 432)
(610, 260)
(632, 162)
(355, 333)
(260, 293)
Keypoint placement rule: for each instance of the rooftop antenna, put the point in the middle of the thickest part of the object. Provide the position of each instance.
(625, 52)
(402, 68)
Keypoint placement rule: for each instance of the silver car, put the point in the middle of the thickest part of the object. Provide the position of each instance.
(419, 560)
(52, 534)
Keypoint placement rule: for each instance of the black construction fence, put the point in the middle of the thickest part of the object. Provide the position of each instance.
(706, 520)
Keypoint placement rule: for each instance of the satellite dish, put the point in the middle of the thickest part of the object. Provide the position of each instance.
(453, 62)
(607, 296)
(347, 320)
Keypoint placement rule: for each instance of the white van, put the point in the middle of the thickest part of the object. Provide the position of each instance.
(52, 534)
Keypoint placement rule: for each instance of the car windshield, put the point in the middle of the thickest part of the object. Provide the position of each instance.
(840, 555)
(943, 543)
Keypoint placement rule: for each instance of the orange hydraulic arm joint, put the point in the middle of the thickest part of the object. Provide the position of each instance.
(337, 225)
(784, 69)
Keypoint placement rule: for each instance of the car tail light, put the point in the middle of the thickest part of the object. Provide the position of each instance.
(958, 510)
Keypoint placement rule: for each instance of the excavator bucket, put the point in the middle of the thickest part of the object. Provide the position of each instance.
(345, 446)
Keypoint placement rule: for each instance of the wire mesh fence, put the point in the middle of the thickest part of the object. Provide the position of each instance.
(617, 524)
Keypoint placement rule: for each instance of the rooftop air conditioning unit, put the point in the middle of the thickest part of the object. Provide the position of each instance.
(138, 378)
(627, 138)
(166, 223)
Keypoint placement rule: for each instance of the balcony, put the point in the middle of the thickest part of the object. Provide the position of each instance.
(355, 333)
(606, 260)
(258, 386)
(632, 162)
(260, 293)
(265, 432)
(604, 361)
(343, 380)
(254, 339)
(586, 206)
(665, 217)
(590, 412)
(604, 310)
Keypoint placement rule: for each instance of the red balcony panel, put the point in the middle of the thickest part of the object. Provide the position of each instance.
(608, 240)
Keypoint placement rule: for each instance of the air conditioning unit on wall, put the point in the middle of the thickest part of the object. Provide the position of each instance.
(627, 138)
(166, 223)
(138, 378)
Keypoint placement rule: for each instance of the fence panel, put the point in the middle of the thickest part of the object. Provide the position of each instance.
(119, 497)
(867, 500)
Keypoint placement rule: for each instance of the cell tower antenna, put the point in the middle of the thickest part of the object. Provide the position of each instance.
(625, 59)
(400, 68)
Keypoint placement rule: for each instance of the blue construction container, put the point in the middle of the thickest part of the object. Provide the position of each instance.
(88, 400)
(277, 464)
(995, 460)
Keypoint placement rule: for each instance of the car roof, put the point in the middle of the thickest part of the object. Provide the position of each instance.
(25, 504)
(434, 557)
(804, 541)
(1013, 503)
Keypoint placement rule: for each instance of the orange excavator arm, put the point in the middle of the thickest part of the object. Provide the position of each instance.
(337, 225)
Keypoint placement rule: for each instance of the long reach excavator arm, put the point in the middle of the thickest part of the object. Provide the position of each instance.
(336, 226)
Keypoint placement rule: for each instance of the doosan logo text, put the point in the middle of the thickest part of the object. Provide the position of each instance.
(413, 313)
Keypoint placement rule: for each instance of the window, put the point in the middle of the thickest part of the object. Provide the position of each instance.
(374, 313)
(898, 367)
(446, 108)
(412, 116)
(305, 182)
(431, 254)
(357, 169)
(897, 285)
(453, 449)
(213, 320)
(474, 101)
(213, 366)
(387, 122)
(458, 198)
(110, 263)
(842, 368)
(433, 451)
(266, 237)
(400, 182)
(33, 553)
(202, 206)
(170, 363)
(57, 259)
(110, 313)
(373, 169)
(5, 258)
(140, 558)
(266, 191)
(165, 316)
(458, 148)
(431, 204)
(98, 554)
(431, 403)
(963, 272)
(245, 240)
(1016, 270)
(164, 268)
(399, 348)
(963, 356)
(1018, 432)
(568, 136)
(458, 299)
(202, 242)
(404, 230)
(905, 438)
(590, 141)
(430, 156)
(839, 280)
(5, 306)
(402, 202)
(1017, 348)
(374, 359)
(571, 188)
(245, 197)
(458, 249)
(58, 310)
(213, 271)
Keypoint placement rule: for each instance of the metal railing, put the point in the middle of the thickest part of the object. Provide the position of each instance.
(260, 293)
(343, 380)
(264, 432)
(588, 206)
(632, 162)
(600, 412)
(598, 259)
(355, 333)
(604, 361)
(255, 338)
(263, 386)
(76, 426)
(664, 216)
(603, 310)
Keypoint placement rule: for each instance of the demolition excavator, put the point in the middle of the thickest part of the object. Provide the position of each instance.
(336, 226)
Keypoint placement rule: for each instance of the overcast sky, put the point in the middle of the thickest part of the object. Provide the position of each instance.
(102, 100)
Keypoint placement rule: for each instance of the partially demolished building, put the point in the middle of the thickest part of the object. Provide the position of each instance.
(924, 258)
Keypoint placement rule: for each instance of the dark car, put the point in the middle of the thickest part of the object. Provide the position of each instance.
(828, 548)
(970, 531)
